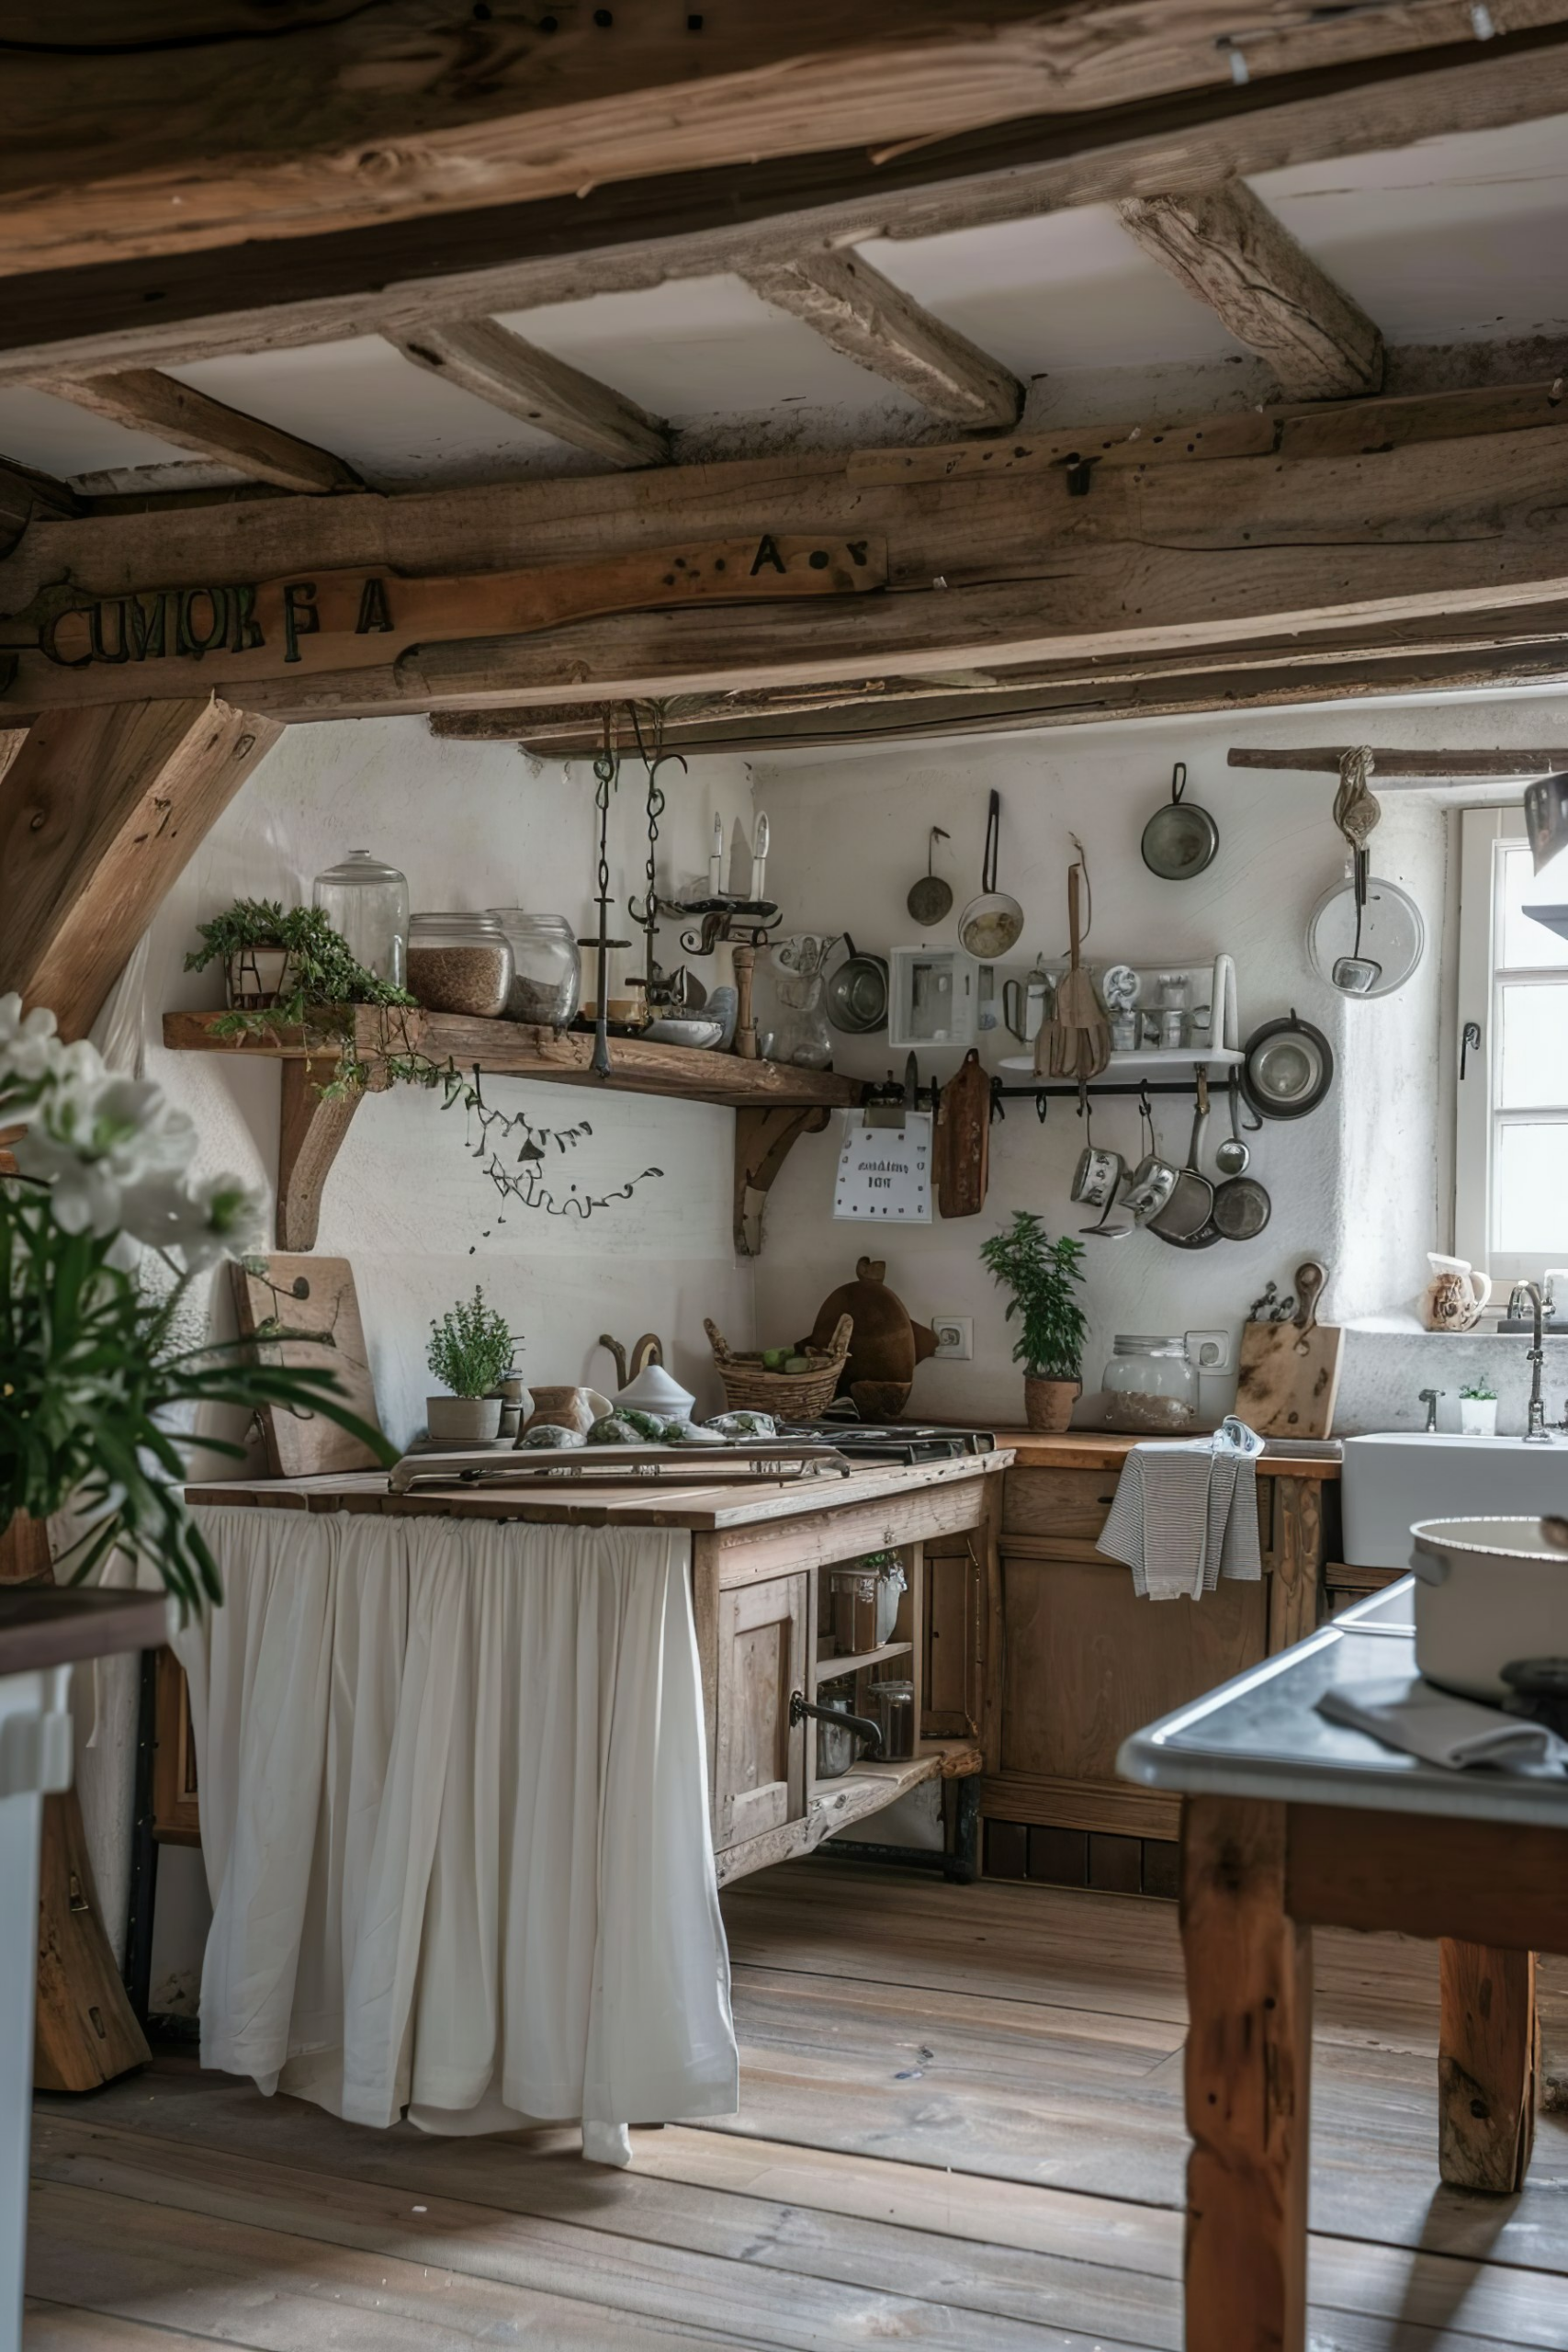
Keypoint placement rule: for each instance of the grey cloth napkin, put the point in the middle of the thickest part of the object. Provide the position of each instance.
(1408, 1713)
(1186, 1513)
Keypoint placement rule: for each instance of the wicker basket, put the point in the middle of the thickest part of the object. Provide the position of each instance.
(749, 1387)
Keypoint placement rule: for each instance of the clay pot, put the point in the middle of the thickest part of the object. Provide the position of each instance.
(462, 1420)
(1048, 1404)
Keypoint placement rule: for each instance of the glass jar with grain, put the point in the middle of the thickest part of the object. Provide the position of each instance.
(546, 977)
(459, 962)
(1151, 1385)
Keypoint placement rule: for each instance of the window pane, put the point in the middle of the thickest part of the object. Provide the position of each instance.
(1535, 1045)
(1531, 1211)
(1527, 945)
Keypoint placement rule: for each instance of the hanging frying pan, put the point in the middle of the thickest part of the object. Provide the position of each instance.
(1180, 839)
(992, 923)
(930, 898)
(1289, 1068)
(857, 993)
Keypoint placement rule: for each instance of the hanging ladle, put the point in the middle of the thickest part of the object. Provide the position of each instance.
(1233, 1158)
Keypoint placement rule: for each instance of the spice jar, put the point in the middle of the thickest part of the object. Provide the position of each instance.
(1151, 1385)
(893, 1707)
(547, 970)
(459, 962)
(367, 904)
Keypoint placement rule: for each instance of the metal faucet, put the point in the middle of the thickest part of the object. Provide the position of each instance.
(1536, 1430)
(1429, 1398)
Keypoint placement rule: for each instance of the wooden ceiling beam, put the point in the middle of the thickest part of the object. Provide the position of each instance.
(482, 358)
(1228, 250)
(169, 141)
(23, 494)
(861, 314)
(613, 235)
(146, 402)
(1425, 766)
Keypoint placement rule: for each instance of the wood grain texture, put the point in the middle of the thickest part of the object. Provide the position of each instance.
(1489, 1882)
(1227, 249)
(764, 1141)
(83, 2032)
(762, 1776)
(1324, 760)
(1076, 1802)
(176, 1798)
(861, 314)
(1288, 1378)
(145, 402)
(312, 1125)
(315, 1302)
(1247, 2082)
(497, 367)
(99, 811)
(1488, 2067)
(174, 144)
(1295, 1561)
(1058, 1503)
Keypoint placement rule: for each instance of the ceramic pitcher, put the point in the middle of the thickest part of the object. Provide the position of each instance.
(1456, 1296)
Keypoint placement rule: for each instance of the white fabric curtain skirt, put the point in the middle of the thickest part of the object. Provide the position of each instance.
(454, 1812)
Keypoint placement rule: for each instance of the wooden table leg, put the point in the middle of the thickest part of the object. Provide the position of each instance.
(1488, 2059)
(1248, 2080)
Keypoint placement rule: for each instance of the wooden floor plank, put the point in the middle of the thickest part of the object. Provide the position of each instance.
(64, 2327)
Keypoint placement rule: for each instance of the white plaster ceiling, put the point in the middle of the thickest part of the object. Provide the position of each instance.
(1457, 240)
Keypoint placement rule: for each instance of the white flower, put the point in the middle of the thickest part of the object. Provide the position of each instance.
(31, 1054)
(213, 1217)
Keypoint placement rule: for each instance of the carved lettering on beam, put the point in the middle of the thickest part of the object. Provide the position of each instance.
(1226, 248)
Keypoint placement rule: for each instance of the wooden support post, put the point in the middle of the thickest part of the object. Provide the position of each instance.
(1248, 2071)
(1296, 1581)
(313, 1125)
(99, 811)
(764, 1141)
(1488, 2061)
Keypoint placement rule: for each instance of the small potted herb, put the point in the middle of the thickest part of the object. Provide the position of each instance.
(1042, 1276)
(471, 1350)
(1478, 1410)
(251, 940)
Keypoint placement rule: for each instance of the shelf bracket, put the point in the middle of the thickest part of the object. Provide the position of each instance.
(312, 1127)
(764, 1141)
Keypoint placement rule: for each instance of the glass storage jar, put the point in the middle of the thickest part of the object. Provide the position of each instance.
(368, 903)
(892, 1708)
(459, 962)
(547, 970)
(1151, 1385)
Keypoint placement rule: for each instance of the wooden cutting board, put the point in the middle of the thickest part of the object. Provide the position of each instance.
(309, 1295)
(1290, 1371)
(962, 1150)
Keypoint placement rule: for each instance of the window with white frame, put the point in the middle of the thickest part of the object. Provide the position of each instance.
(1511, 1147)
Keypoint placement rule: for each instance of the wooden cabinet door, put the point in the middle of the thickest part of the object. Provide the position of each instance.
(759, 1760)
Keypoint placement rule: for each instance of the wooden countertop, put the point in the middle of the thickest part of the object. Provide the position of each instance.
(708, 1510)
(41, 1625)
(1108, 1449)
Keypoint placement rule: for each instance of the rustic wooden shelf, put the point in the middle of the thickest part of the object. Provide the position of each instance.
(833, 1670)
(774, 1101)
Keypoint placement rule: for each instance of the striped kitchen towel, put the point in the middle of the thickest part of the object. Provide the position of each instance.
(1186, 1513)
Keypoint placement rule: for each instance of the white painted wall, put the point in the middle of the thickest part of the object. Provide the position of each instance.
(1357, 1183)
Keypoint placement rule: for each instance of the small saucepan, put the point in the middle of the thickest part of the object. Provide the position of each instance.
(857, 993)
(992, 924)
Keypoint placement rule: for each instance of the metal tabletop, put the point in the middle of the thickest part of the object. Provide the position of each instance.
(1261, 1734)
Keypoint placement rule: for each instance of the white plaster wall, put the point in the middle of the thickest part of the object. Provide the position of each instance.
(1357, 1183)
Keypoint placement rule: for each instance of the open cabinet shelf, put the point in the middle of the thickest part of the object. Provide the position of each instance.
(773, 1102)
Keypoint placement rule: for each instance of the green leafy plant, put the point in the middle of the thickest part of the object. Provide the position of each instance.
(1480, 1393)
(1043, 1275)
(104, 1363)
(323, 982)
(471, 1347)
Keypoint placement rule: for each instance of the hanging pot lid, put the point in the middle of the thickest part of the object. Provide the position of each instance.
(1180, 839)
(1288, 1069)
(1393, 933)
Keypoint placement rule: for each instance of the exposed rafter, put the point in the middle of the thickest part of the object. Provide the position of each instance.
(611, 236)
(150, 402)
(852, 307)
(1226, 247)
(23, 494)
(496, 366)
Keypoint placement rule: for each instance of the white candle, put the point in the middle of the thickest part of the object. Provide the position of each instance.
(716, 861)
(758, 855)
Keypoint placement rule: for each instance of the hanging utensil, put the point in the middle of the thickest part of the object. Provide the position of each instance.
(1180, 839)
(1233, 1155)
(1358, 814)
(1076, 1041)
(1101, 1173)
(1288, 1070)
(857, 993)
(930, 898)
(1242, 1208)
(1389, 936)
(991, 924)
(1187, 1219)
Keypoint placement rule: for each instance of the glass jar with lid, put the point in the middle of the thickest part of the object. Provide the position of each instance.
(892, 1707)
(459, 962)
(547, 970)
(367, 904)
(1151, 1385)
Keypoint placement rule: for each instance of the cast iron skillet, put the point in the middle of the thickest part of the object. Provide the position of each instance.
(1301, 1060)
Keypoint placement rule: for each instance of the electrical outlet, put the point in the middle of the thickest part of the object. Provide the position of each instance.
(954, 1337)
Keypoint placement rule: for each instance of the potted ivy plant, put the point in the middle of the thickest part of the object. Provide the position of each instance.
(1478, 1410)
(249, 938)
(470, 1350)
(1042, 1276)
(287, 968)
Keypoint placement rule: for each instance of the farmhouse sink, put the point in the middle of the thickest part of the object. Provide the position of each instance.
(1389, 1482)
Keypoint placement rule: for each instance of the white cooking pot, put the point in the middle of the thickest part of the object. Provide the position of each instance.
(1488, 1591)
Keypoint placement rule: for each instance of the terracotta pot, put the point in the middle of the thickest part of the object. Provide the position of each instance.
(1048, 1404)
(462, 1420)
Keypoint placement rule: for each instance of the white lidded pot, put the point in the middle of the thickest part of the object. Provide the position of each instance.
(1488, 1592)
(654, 1391)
